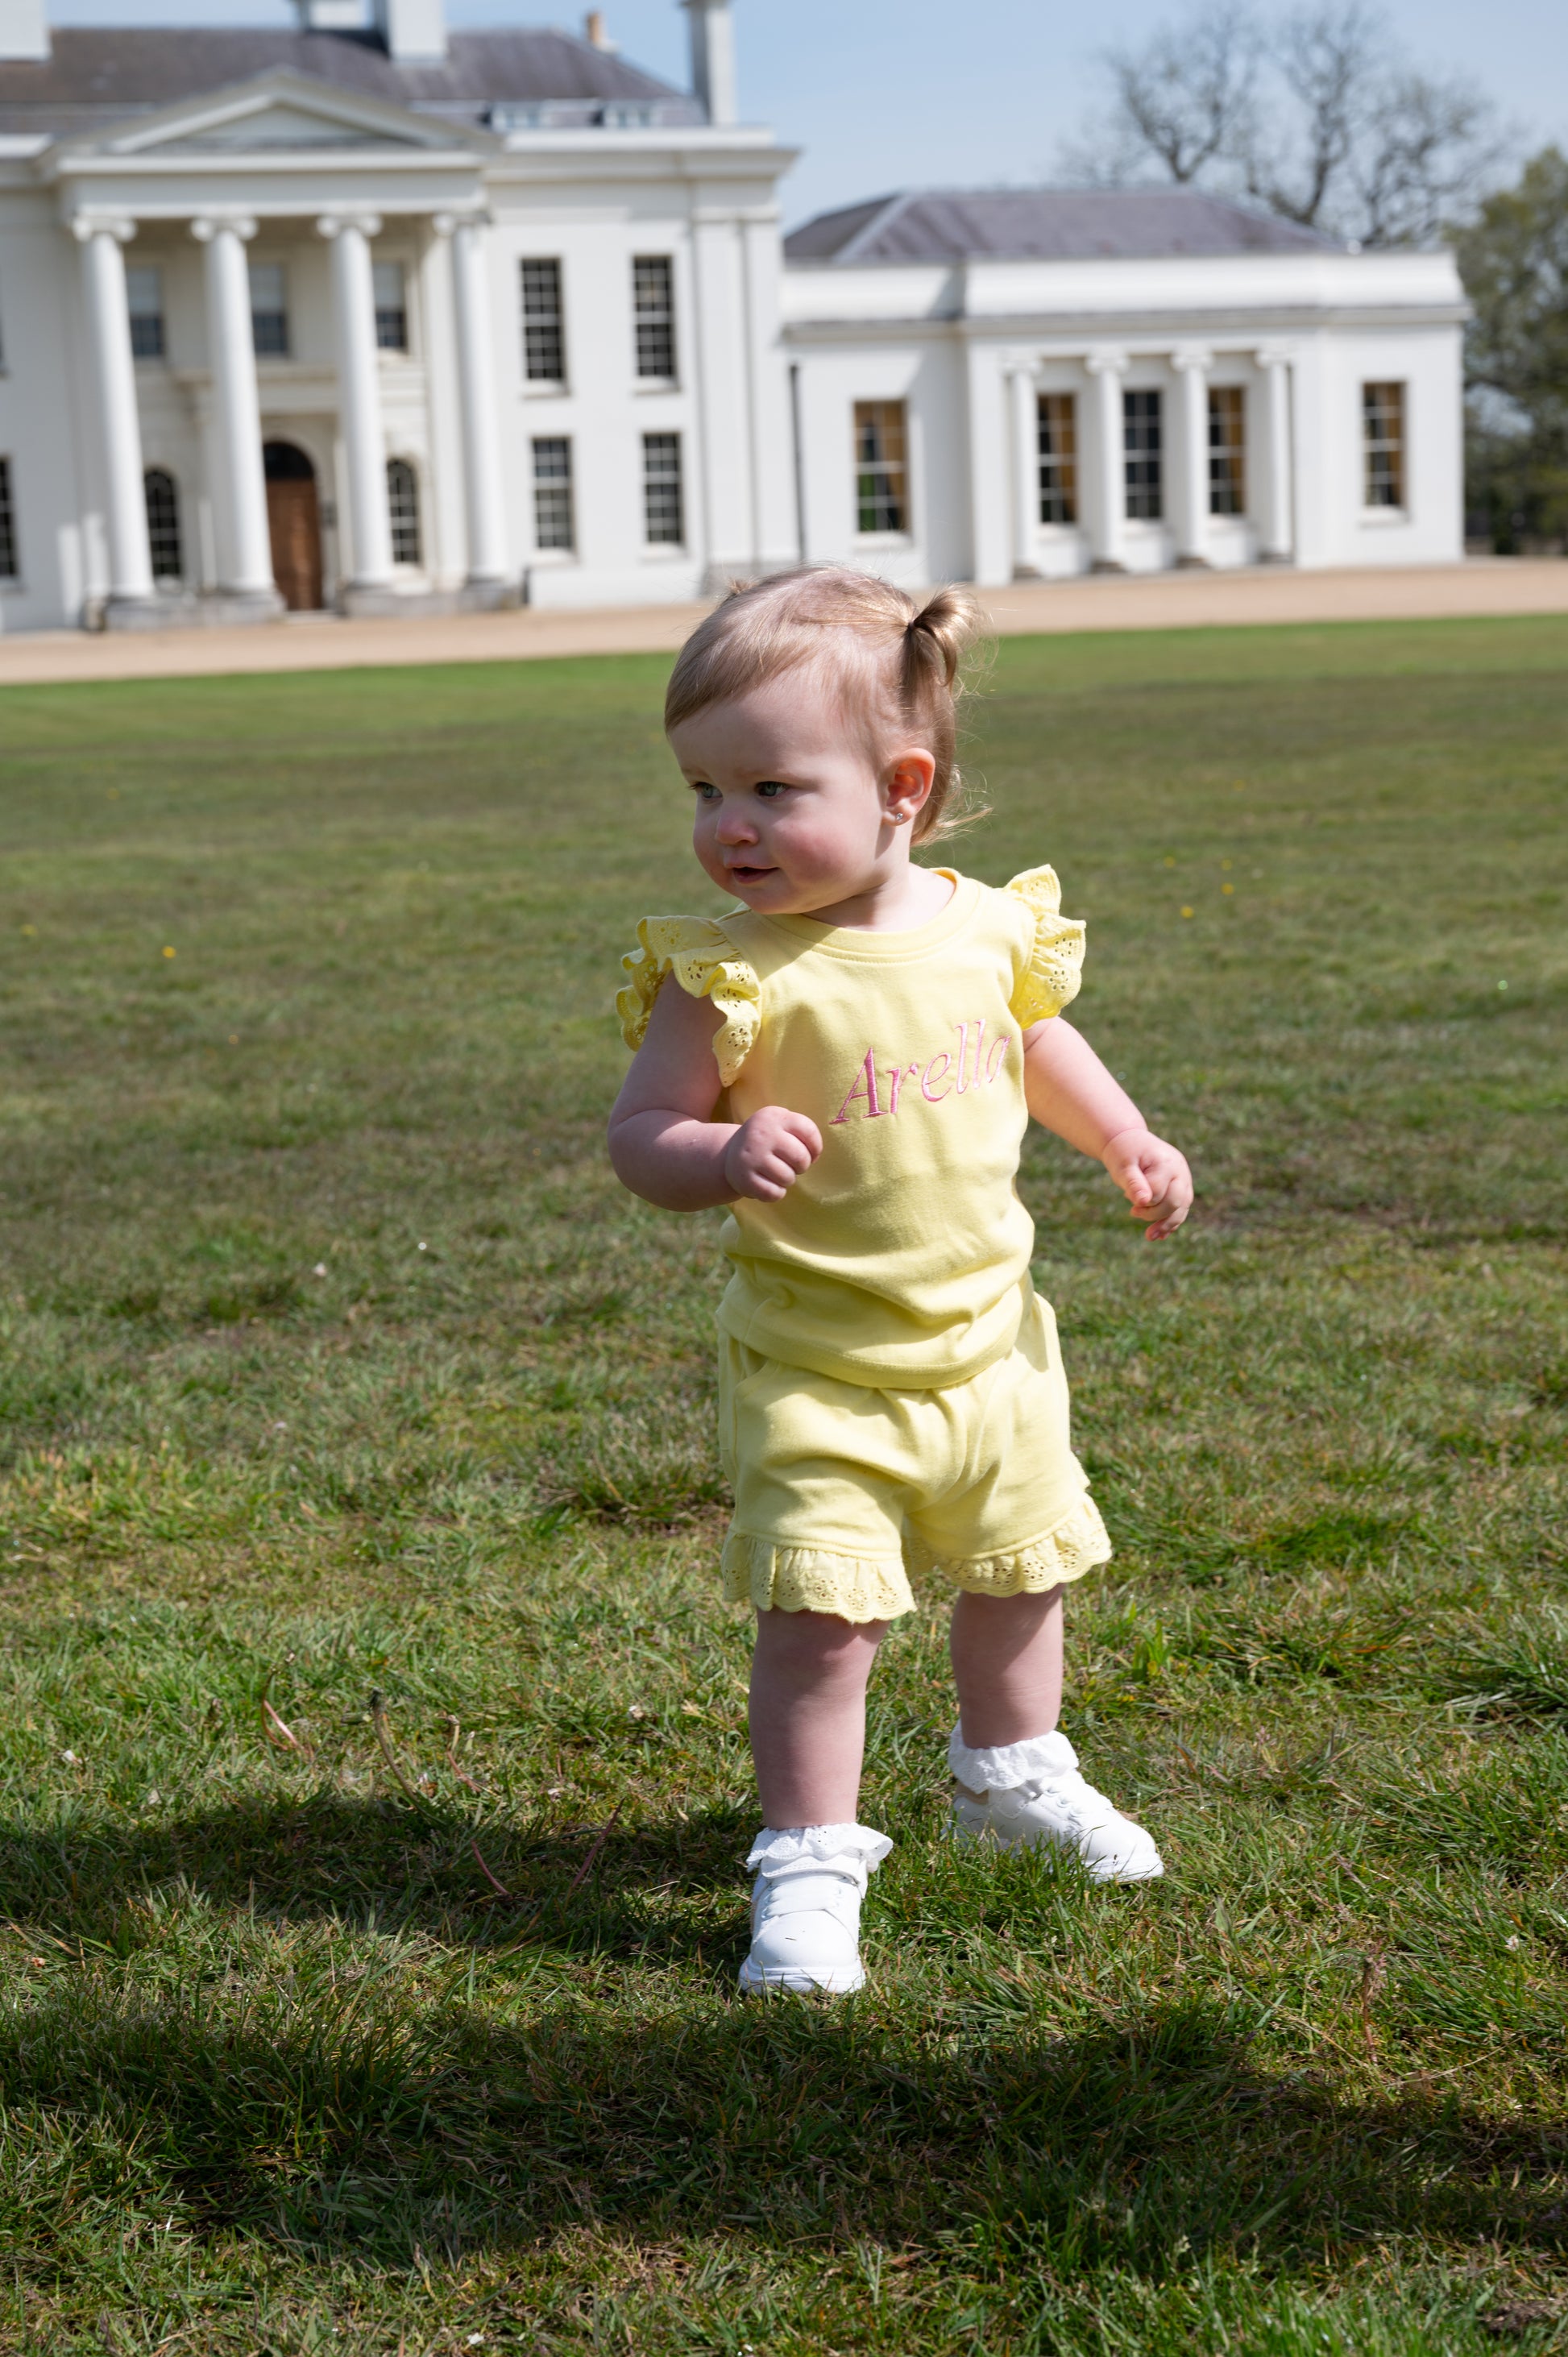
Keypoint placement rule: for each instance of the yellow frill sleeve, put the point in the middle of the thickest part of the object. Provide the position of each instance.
(705, 965)
(1050, 977)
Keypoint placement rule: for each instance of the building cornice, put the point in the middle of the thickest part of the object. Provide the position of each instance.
(1054, 329)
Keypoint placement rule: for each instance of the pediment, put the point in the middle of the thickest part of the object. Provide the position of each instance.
(279, 109)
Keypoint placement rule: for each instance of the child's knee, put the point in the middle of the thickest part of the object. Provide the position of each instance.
(820, 1640)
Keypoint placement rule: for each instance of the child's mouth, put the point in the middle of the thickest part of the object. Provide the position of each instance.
(749, 874)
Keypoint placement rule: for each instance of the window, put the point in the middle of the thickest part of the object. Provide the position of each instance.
(403, 507)
(163, 525)
(145, 298)
(653, 303)
(880, 500)
(392, 307)
(1383, 419)
(663, 507)
(1141, 430)
(543, 326)
(1058, 447)
(10, 568)
(269, 310)
(553, 521)
(1227, 450)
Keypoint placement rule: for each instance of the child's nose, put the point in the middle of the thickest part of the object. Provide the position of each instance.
(735, 826)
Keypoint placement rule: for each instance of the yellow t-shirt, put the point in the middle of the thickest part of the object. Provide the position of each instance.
(901, 1257)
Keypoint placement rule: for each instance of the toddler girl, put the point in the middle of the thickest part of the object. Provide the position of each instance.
(848, 1061)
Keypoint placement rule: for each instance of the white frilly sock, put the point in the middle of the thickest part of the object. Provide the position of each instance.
(1003, 1766)
(803, 1850)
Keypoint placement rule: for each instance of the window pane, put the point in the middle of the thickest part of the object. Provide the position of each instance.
(653, 302)
(881, 501)
(145, 300)
(392, 307)
(1227, 450)
(9, 568)
(1057, 445)
(402, 506)
(553, 521)
(269, 310)
(663, 505)
(1141, 428)
(544, 328)
(163, 525)
(1383, 418)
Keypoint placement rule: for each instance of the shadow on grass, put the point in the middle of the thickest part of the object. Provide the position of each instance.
(368, 2108)
(332, 1857)
(342, 2125)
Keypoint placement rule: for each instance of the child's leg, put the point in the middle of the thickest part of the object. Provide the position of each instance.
(1007, 1666)
(808, 1713)
(1016, 1779)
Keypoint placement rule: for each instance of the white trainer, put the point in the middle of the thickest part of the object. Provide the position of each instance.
(805, 1907)
(1021, 1796)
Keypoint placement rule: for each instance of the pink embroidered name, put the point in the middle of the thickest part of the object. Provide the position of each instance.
(941, 1077)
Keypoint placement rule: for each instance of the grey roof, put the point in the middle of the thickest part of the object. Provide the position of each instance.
(1044, 225)
(99, 75)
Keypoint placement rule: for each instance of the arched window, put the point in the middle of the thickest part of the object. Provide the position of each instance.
(163, 525)
(403, 504)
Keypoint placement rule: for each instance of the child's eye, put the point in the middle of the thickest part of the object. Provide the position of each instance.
(705, 793)
(772, 786)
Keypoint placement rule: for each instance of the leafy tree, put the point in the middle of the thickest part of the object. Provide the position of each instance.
(1514, 261)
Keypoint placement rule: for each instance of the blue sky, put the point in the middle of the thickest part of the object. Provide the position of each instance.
(884, 94)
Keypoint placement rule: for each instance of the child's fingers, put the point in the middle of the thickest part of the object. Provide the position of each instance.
(802, 1127)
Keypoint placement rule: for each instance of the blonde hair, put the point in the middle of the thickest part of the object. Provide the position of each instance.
(905, 660)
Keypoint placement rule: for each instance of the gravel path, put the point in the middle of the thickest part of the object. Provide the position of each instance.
(1161, 601)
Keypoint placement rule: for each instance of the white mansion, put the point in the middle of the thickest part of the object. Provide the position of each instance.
(369, 313)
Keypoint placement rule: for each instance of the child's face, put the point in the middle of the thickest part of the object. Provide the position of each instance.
(793, 813)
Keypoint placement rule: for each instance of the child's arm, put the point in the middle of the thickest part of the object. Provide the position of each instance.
(1070, 1091)
(665, 1144)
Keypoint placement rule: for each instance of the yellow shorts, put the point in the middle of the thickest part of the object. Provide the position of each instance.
(840, 1490)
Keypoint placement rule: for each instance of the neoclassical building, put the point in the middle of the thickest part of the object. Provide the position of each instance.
(1043, 382)
(368, 314)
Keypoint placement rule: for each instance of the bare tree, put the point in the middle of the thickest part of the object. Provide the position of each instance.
(1325, 59)
(1185, 100)
(1314, 114)
(1426, 159)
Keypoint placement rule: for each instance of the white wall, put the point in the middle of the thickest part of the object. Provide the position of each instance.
(46, 419)
(944, 342)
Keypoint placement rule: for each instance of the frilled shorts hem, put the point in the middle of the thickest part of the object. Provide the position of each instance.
(771, 1576)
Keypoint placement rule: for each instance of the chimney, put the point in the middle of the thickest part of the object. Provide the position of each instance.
(24, 30)
(593, 32)
(713, 57)
(331, 15)
(413, 30)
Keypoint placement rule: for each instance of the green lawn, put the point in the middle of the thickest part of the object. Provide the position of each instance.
(335, 1360)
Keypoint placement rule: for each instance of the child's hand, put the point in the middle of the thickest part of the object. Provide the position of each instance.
(1155, 1178)
(768, 1153)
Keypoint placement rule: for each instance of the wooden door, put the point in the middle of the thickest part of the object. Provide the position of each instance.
(294, 517)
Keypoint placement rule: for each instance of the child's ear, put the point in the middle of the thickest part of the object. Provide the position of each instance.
(906, 783)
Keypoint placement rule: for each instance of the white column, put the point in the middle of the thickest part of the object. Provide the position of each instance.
(245, 542)
(1108, 514)
(1276, 522)
(718, 327)
(108, 326)
(770, 442)
(1024, 414)
(484, 499)
(1191, 456)
(359, 399)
